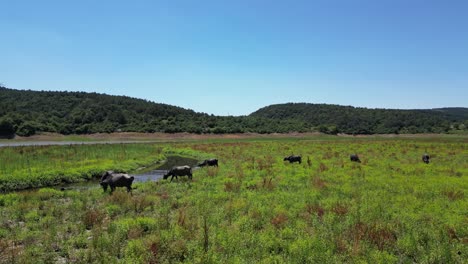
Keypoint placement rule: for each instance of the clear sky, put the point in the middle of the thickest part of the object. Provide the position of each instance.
(233, 57)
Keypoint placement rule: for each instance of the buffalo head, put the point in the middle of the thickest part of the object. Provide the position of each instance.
(106, 176)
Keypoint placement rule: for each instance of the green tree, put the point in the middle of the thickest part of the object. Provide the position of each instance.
(27, 129)
(7, 130)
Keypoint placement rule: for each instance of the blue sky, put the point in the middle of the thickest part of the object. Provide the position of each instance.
(233, 57)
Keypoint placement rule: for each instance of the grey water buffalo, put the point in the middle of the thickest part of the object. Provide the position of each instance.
(425, 158)
(293, 158)
(208, 162)
(355, 158)
(179, 171)
(112, 179)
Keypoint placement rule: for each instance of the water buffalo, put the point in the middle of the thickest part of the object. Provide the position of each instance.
(109, 178)
(208, 162)
(179, 171)
(425, 158)
(355, 158)
(293, 158)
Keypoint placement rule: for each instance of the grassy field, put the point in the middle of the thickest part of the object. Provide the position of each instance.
(254, 208)
(36, 166)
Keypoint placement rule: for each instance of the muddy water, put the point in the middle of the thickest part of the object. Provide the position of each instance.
(152, 173)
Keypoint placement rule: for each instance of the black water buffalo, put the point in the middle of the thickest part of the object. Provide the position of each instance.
(293, 158)
(208, 162)
(425, 158)
(179, 171)
(355, 158)
(109, 178)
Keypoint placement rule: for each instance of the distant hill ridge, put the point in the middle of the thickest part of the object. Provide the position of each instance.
(26, 112)
(359, 120)
(459, 113)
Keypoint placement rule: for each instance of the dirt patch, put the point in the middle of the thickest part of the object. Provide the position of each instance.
(134, 136)
(123, 136)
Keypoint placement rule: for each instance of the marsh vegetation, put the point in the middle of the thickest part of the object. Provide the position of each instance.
(253, 208)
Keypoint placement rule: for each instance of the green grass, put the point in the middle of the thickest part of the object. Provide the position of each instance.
(36, 166)
(254, 208)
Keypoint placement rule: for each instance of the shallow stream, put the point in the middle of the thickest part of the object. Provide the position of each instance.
(144, 174)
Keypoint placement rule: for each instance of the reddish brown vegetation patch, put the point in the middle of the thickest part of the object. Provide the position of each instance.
(92, 217)
(232, 186)
(119, 197)
(318, 183)
(315, 209)
(212, 171)
(266, 163)
(154, 249)
(340, 244)
(267, 183)
(140, 203)
(322, 167)
(452, 234)
(239, 171)
(454, 194)
(340, 209)
(381, 236)
(10, 251)
(181, 217)
(135, 232)
(279, 220)
(163, 195)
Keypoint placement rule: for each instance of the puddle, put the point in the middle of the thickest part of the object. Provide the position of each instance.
(153, 175)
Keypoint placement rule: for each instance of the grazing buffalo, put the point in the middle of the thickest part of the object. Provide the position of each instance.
(109, 178)
(293, 158)
(208, 162)
(179, 171)
(355, 158)
(425, 158)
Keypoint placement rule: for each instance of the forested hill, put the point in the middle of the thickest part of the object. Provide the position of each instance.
(353, 120)
(26, 113)
(457, 113)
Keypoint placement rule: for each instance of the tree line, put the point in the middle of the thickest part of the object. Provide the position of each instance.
(26, 112)
(333, 119)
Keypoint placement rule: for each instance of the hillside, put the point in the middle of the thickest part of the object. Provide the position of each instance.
(458, 113)
(353, 120)
(28, 112)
